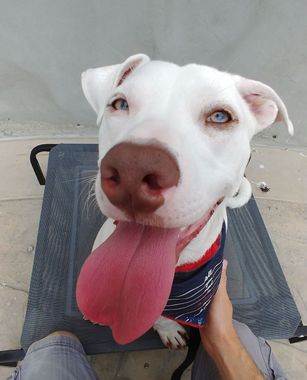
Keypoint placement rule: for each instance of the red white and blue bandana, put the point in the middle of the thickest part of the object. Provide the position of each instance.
(195, 285)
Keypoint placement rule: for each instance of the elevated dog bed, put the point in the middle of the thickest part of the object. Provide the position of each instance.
(68, 226)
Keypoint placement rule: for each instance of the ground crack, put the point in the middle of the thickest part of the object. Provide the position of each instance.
(5, 285)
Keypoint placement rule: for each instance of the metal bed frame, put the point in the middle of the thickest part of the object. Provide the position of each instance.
(11, 357)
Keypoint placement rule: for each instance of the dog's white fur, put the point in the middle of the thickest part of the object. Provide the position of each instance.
(167, 107)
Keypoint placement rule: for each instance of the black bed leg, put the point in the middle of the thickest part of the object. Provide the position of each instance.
(34, 162)
(10, 358)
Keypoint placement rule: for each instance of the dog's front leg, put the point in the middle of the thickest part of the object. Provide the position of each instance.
(172, 334)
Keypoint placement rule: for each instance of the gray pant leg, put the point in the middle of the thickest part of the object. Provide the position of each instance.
(258, 348)
(57, 357)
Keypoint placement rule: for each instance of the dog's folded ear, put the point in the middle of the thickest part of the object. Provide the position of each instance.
(265, 104)
(98, 83)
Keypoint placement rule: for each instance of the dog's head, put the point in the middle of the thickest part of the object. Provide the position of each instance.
(174, 141)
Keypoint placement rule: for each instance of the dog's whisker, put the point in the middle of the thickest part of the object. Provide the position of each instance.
(90, 199)
(87, 183)
(80, 179)
(92, 203)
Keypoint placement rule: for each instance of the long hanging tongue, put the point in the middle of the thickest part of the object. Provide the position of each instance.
(125, 282)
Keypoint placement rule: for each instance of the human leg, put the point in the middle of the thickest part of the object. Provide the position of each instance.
(58, 356)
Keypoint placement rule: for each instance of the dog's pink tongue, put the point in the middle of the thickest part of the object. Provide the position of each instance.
(125, 282)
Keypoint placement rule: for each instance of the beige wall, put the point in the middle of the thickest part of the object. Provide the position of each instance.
(44, 46)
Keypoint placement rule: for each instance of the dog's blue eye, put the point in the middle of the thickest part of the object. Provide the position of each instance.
(219, 117)
(120, 104)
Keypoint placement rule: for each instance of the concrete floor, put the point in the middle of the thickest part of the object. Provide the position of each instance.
(284, 209)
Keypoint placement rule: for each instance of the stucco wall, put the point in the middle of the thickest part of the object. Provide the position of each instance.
(45, 45)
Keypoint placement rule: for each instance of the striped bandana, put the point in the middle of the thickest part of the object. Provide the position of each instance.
(194, 286)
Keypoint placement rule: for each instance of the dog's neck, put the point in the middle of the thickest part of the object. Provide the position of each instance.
(204, 240)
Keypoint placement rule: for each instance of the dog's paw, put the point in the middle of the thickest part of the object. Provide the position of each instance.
(172, 334)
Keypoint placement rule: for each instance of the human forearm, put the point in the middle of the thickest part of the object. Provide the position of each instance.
(231, 358)
(222, 342)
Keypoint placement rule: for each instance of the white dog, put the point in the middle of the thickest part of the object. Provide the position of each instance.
(174, 143)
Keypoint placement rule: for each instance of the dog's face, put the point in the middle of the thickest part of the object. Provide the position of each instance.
(193, 121)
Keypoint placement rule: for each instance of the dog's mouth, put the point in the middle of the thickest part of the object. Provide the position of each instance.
(125, 282)
(190, 232)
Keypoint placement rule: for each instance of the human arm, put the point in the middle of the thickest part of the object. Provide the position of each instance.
(221, 341)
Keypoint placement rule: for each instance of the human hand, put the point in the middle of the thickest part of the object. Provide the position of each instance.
(219, 323)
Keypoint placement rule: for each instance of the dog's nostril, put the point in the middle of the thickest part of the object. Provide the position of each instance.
(113, 176)
(152, 181)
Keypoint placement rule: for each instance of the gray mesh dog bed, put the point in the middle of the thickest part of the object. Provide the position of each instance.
(68, 227)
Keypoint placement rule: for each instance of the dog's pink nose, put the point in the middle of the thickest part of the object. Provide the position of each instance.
(133, 177)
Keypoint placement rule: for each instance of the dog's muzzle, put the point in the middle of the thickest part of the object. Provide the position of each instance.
(135, 177)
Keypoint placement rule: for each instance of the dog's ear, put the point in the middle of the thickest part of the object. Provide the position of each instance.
(265, 104)
(97, 83)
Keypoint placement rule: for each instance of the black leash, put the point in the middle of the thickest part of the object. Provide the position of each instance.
(193, 347)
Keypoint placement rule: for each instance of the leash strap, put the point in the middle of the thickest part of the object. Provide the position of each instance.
(193, 347)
